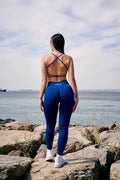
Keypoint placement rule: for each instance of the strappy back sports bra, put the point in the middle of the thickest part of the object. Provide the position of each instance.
(57, 57)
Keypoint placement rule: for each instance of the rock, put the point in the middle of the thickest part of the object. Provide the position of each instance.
(12, 167)
(77, 168)
(115, 171)
(20, 126)
(16, 153)
(96, 130)
(117, 128)
(2, 127)
(41, 152)
(102, 128)
(75, 141)
(112, 126)
(110, 138)
(40, 128)
(118, 124)
(1, 121)
(85, 132)
(74, 125)
(105, 156)
(22, 140)
(6, 121)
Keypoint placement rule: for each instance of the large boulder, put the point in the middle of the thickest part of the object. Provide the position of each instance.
(12, 167)
(8, 120)
(110, 138)
(77, 168)
(20, 125)
(22, 140)
(115, 171)
(105, 156)
(40, 128)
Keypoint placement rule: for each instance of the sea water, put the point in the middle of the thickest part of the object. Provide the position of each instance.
(97, 108)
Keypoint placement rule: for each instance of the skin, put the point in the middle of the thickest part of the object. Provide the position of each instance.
(57, 68)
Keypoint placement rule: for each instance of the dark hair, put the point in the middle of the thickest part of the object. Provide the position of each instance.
(58, 42)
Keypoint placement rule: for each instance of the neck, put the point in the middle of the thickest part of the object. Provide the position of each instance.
(56, 52)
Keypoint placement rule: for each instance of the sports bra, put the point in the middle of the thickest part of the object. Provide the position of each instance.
(57, 57)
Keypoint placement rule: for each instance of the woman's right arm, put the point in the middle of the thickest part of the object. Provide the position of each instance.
(43, 83)
(72, 82)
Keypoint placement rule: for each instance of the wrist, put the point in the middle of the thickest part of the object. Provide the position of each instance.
(40, 98)
(77, 98)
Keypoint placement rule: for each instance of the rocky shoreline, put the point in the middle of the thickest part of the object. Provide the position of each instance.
(92, 152)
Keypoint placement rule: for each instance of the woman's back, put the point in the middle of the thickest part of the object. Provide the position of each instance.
(57, 65)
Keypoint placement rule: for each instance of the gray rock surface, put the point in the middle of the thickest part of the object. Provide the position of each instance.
(105, 156)
(40, 128)
(8, 120)
(78, 168)
(41, 152)
(115, 171)
(14, 140)
(85, 161)
(110, 138)
(16, 153)
(12, 167)
(19, 125)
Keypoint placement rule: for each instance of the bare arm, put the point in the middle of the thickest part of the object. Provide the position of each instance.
(72, 82)
(43, 83)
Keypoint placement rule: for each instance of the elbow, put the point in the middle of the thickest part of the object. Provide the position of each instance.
(71, 79)
(44, 81)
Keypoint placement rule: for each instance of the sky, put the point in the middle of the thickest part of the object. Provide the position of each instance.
(92, 37)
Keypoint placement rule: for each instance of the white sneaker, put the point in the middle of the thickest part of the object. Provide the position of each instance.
(59, 162)
(49, 156)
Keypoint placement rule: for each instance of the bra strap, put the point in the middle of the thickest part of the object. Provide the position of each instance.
(57, 57)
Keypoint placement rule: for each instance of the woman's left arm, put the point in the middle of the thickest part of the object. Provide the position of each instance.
(43, 82)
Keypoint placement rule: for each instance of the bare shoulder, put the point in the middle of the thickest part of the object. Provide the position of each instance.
(69, 59)
(45, 58)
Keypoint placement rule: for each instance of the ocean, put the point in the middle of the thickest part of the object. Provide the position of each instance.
(94, 108)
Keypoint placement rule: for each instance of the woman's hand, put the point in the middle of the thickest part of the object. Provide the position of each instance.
(76, 103)
(41, 104)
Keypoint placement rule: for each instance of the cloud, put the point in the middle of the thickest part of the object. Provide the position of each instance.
(92, 33)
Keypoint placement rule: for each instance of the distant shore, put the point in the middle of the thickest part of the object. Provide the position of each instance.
(81, 90)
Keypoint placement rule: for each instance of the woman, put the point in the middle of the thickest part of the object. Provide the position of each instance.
(59, 93)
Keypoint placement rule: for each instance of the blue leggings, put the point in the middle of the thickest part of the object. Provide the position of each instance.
(58, 94)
